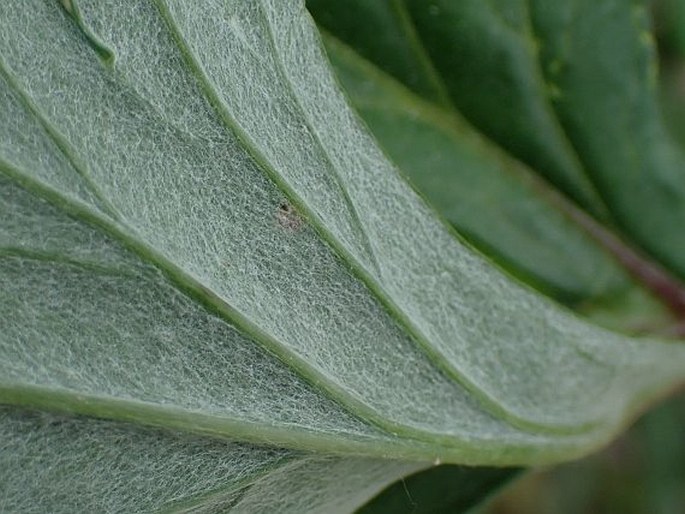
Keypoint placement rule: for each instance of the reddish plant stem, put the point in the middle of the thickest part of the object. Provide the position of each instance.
(668, 288)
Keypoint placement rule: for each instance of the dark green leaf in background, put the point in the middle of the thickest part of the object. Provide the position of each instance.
(446, 488)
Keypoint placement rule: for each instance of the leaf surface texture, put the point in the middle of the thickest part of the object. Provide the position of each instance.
(201, 243)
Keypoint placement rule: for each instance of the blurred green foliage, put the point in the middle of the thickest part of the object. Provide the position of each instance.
(641, 473)
(644, 471)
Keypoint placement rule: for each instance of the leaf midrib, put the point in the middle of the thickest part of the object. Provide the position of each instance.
(420, 444)
(192, 421)
(197, 291)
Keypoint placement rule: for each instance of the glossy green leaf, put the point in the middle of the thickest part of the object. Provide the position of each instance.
(670, 27)
(198, 235)
(621, 138)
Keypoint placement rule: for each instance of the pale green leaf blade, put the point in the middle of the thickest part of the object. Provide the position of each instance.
(198, 235)
(429, 405)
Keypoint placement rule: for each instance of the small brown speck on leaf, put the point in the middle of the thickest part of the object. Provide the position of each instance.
(288, 218)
